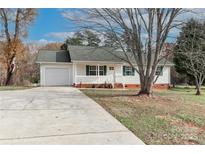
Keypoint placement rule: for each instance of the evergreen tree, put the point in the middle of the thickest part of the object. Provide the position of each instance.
(91, 38)
(189, 53)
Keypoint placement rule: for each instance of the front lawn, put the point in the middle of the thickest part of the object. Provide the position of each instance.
(3, 88)
(174, 116)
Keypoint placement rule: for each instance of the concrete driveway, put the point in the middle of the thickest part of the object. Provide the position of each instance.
(57, 115)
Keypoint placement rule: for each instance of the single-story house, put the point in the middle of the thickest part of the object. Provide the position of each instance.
(84, 66)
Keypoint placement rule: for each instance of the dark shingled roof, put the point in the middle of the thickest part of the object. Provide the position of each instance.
(85, 53)
(53, 56)
(77, 53)
(81, 53)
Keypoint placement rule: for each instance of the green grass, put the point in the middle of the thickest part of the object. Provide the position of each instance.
(6, 88)
(174, 116)
(187, 93)
(127, 121)
(195, 119)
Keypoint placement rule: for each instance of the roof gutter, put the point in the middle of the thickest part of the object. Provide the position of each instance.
(107, 62)
(53, 62)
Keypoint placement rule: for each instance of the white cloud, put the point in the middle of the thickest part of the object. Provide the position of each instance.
(43, 41)
(60, 35)
(83, 17)
(38, 42)
(80, 14)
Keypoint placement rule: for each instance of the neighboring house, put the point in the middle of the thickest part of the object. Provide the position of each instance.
(83, 66)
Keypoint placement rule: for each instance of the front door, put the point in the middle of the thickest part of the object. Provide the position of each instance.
(112, 74)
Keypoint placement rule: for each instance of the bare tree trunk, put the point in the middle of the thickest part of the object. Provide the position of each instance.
(145, 90)
(8, 78)
(198, 88)
(146, 87)
(10, 70)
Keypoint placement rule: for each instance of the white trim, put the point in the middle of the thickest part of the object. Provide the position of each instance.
(74, 72)
(166, 65)
(106, 62)
(56, 63)
(98, 71)
(44, 67)
(103, 62)
(169, 75)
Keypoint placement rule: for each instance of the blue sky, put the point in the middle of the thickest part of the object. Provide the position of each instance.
(49, 25)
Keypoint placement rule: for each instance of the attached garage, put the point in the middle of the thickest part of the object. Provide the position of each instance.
(57, 76)
(55, 68)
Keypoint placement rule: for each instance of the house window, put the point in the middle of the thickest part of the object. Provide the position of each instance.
(159, 71)
(111, 68)
(92, 70)
(102, 70)
(128, 71)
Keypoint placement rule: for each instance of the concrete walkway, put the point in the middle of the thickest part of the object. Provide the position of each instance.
(57, 115)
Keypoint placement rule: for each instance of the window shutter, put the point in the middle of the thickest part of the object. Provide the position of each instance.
(161, 70)
(133, 71)
(87, 70)
(105, 70)
(123, 70)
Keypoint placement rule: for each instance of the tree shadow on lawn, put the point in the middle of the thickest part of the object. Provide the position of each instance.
(111, 93)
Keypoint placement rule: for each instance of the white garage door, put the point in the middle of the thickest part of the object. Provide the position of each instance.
(57, 76)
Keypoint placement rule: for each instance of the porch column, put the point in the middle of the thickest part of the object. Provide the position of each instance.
(123, 82)
(98, 72)
(74, 73)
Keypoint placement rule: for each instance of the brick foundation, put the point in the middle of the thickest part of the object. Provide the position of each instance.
(132, 86)
(120, 85)
(93, 86)
(161, 86)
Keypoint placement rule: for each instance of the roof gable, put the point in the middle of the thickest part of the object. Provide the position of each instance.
(53, 56)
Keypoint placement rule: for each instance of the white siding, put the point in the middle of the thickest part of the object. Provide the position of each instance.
(43, 68)
(81, 69)
(109, 78)
(115, 76)
(78, 74)
(165, 78)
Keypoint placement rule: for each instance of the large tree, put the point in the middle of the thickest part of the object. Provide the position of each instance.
(144, 32)
(86, 38)
(76, 39)
(189, 53)
(109, 40)
(14, 23)
(91, 38)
